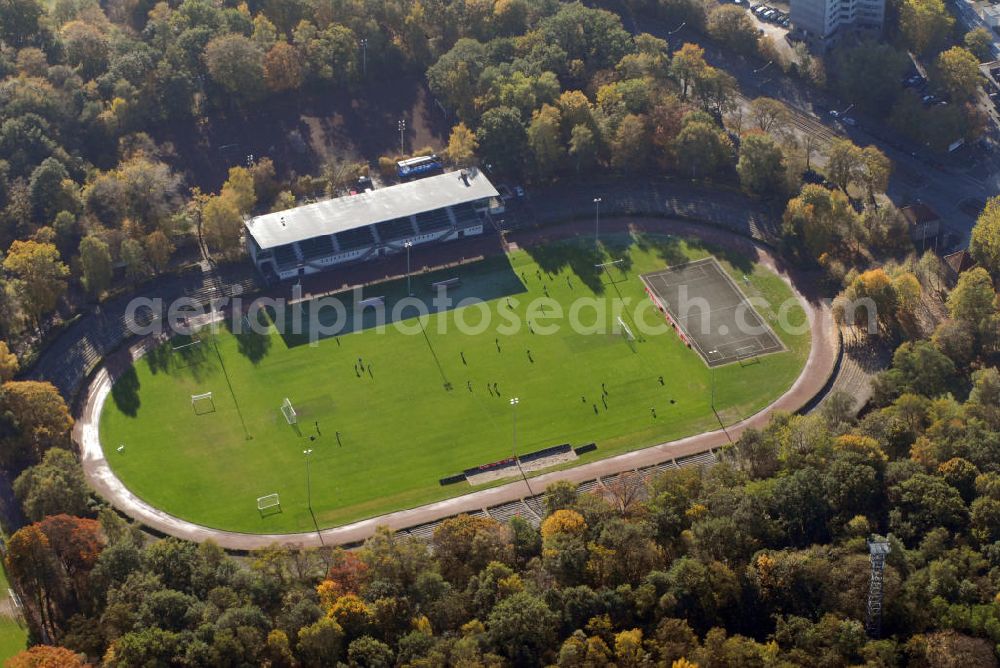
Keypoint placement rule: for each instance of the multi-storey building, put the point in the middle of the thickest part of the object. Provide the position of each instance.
(823, 22)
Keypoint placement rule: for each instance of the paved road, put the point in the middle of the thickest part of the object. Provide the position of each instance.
(814, 380)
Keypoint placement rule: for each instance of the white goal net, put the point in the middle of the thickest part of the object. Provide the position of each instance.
(203, 403)
(185, 346)
(289, 412)
(627, 333)
(268, 501)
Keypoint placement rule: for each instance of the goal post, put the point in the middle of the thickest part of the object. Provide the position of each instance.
(289, 412)
(268, 502)
(203, 403)
(627, 333)
(184, 346)
(605, 268)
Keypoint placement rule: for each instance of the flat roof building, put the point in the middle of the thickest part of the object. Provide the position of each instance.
(375, 223)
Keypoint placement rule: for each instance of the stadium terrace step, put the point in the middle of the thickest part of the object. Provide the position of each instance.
(504, 512)
(536, 505)
(702, 459)
(425, 531)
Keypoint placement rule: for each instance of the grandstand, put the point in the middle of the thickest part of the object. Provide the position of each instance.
(371, 224)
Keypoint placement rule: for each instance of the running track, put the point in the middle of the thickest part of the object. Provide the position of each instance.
(813, 381)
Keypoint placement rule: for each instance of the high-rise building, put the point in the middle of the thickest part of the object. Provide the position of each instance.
(823, 22)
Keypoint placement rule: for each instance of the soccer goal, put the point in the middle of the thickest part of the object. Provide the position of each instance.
(627, 333)
(619, 276)
(269, 503)
(203, 403)
(184, 346)
(289, 412)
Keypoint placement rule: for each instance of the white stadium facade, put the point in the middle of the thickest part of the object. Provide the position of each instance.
(371, 224)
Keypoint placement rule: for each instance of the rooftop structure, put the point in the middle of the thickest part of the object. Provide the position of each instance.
(924, 222)
(372, 224)
(343, 214)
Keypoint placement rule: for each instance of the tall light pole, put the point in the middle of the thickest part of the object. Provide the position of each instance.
(513, 414)
(597, 221)
(309, 498)
(761, 69)
(677, 29)
(402, 128)
(717, 416)
(364, 56)
(408, 245)
(713, 352)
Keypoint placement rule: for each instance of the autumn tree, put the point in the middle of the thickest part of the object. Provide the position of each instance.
(236, 64)
(95, 261)
(925, 24)
(464, 546)
(30, 563)
(47, 656)
(41, 276)
(980, 43)
(876, 288)
(522, 627)
(159, 248)
(731, 26)
(48, 191)
(33, 419)
(222, 224)
(582, 146)
(133, 256)
(76, 543)
(9, 364)
(283, 68)
(844, 162)
(819, 218)
(240, 187)
(321, 643)
(56, 485)
(462, 145)
(761, 165)
(630, 149)
(688, 65)
(502, 139)
(770, 115)
(702, 148)
(985, 242)
(874, 172)
(957, 73)
(545, 140)
(973, 302)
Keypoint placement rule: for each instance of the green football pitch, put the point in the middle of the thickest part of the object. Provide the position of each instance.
(423, 405)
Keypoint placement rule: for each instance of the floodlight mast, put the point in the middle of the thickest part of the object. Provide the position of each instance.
(597, 220)
(513, 414)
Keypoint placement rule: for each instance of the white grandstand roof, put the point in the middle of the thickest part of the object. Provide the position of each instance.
(367, 208)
